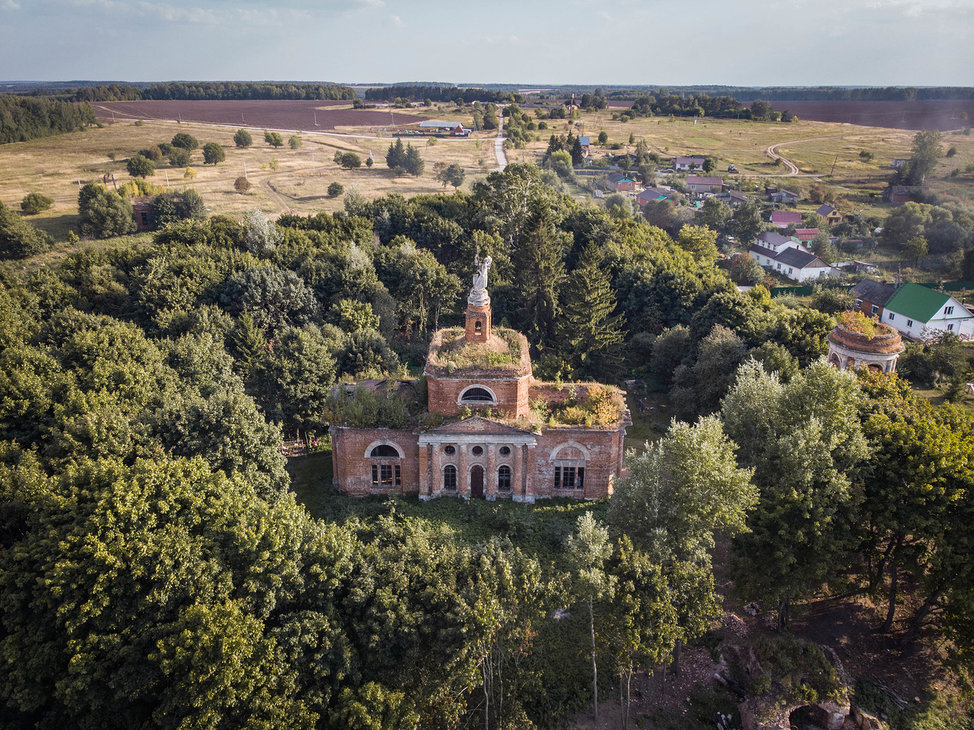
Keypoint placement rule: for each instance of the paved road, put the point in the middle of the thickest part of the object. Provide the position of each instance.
(499, 144)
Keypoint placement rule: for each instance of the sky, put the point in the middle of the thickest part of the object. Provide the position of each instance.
(652, 42)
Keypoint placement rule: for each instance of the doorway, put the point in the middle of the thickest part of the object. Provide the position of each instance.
(477, 482)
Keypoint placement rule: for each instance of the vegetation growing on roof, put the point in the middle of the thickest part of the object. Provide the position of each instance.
(586, 405)
(450, 350)
(859, 324)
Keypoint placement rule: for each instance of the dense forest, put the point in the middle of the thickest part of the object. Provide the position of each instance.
(200, 90)
(156, 569)
(419, 92)
(23, 118)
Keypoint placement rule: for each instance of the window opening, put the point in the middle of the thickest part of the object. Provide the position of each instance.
(450, 477)
(504, 479)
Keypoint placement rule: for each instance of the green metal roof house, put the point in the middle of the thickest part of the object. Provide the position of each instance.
(919, 312)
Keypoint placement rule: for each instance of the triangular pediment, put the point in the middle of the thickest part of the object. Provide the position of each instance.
(478, 425)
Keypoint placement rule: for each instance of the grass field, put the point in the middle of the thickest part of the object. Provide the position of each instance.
(283, 179)
(286, 180)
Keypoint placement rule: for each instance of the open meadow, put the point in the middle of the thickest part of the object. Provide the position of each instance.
(282, 179)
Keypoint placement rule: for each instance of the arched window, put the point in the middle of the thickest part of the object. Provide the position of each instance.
(386, 471)
(450, 477)
(569, 465)
(504, 479)
(384, 451)
(477, 395)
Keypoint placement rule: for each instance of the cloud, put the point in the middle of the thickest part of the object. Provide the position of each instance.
(9, 5)
(372, 3)
(396, 20)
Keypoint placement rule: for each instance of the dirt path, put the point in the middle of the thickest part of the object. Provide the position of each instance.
(499, 144)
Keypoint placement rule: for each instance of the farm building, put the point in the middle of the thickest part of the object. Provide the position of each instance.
(484, 435)
(435, 126)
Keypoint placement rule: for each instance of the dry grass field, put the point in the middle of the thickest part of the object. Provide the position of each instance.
(286, 180)
(282, 179)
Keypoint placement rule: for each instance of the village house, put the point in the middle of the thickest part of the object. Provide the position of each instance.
(785, 218)
(784, 197)
(871, 297)
(650, 195)
(700, 185)
(788, 257)
(829, 213)
(685, 164)
(920, 313)
(806, 234)
(586, 145)
(490, 430)
(898, 194)
(621, 183)
(733, 198)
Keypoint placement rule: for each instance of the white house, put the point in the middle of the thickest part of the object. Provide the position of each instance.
(683, 164)
(788, 257)
(919, 313)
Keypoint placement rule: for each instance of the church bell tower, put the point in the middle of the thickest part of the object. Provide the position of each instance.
(478, 304)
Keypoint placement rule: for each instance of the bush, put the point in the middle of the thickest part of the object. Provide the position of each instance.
(153, 153)
(347, 160)
(274, 139)
(294, 141)
(213, 153)
(241, 185)
(242, 138)
(335, 189)
(34, 203)
(140, 166)
(104, 213)
(18, 238)
(185, 141)
(179, 157)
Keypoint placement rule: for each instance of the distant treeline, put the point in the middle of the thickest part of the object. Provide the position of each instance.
(201, 91)
(782, 93)
(416, 92)
(700, 105)
(24, 118)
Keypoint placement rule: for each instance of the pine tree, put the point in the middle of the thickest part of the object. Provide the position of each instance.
(539, 272)
(590, 334)
(413, 163)
(396, 156)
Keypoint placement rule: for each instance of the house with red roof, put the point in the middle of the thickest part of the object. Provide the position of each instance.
(806, 234)
(785, 218)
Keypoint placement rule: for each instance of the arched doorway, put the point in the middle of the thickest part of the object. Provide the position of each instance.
(477, 482)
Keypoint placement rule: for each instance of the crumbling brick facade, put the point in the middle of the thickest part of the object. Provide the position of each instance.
(496, 452)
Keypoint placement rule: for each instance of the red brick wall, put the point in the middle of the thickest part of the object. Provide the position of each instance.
(601, 468)
(353, 471)
(474, 315)
(512, 394)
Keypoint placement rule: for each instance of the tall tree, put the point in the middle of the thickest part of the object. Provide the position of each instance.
(588, 550)
(590, 329)
(803, 440)
(539, 272)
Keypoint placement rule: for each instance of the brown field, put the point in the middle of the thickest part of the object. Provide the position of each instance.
(943, 114)
(940, 114)
(262, 114)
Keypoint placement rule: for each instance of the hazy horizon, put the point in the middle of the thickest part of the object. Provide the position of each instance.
(617, 42)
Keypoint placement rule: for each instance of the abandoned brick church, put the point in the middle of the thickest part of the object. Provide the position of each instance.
(484, 427)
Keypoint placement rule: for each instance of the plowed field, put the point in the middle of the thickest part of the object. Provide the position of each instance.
(296, 115)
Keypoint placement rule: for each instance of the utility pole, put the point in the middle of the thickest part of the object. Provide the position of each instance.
(832, 171)
(245, 169)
